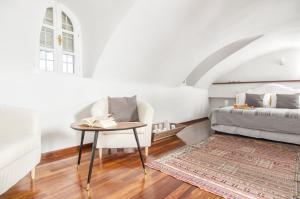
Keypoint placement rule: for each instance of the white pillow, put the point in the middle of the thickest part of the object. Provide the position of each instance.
(240, 98)
(273, 100)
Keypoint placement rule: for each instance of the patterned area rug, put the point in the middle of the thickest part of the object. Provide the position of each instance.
(236, 167)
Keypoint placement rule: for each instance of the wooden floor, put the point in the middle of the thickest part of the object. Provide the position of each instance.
(118, 176)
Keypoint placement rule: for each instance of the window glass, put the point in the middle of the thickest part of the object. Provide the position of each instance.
(68, 63)
(46, 61)
(46, 38)
(68, 42)
(66, 22)
(48, 19)
(57, 42)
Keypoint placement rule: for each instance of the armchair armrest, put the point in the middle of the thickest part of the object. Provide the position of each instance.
(146, 114)
(16, 121)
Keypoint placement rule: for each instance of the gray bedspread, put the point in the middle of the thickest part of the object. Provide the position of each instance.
(268, 119)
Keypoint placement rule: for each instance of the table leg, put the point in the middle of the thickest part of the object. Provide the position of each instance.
(139, 149)
(92, 159)
(80, 149)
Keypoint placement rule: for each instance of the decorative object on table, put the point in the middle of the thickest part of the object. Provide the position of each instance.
(165, 130)
(236, 167)
(160, 127)
(173, 126)
(242, 106)
(124, 139)
(98, 121)
(167, 125)
(119, 127)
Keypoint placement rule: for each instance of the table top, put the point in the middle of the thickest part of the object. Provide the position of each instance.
(118, 127)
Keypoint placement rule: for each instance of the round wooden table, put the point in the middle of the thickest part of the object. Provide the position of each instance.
(118, 127)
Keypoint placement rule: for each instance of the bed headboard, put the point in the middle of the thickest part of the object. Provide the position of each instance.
(274, 88)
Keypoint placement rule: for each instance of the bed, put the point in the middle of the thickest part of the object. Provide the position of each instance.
(268, 123)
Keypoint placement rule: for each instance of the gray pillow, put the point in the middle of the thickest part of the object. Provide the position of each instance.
(255, 100)
(290, 101)
(123, 109)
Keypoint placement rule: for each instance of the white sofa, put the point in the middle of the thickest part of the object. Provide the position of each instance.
(20, 145)
(125, 139)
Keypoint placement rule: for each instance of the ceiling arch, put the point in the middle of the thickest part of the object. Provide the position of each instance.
(273, 42)
(162, 42)
(217, 57)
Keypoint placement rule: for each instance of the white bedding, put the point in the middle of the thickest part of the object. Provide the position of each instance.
(282, 137)
(265, 119)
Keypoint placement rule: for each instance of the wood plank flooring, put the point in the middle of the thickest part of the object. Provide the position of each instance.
(119, 176)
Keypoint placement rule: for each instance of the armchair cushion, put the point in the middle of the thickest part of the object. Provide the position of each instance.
(123, 109)
(14, 147)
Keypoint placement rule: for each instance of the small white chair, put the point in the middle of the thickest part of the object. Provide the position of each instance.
(125, 138)
(20, 145)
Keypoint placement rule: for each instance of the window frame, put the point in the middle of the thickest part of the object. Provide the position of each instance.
(58, 8)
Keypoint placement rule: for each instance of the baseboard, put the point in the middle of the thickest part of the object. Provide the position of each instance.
(71, 151)
(190, 122)
(63, 153)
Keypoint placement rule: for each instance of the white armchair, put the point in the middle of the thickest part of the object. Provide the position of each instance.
(125, 138)
(20, 145)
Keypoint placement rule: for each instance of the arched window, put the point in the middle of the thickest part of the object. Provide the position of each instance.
(59, 42)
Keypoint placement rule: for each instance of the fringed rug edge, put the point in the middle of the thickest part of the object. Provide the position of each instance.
(222, 192)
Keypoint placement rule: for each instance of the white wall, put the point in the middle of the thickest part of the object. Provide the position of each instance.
(19, 35)
(268, 67)
(98, 20)
(263, 68)
(63, 99)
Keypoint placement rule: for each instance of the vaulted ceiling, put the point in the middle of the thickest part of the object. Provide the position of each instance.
(159, 41)
(163, 41)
